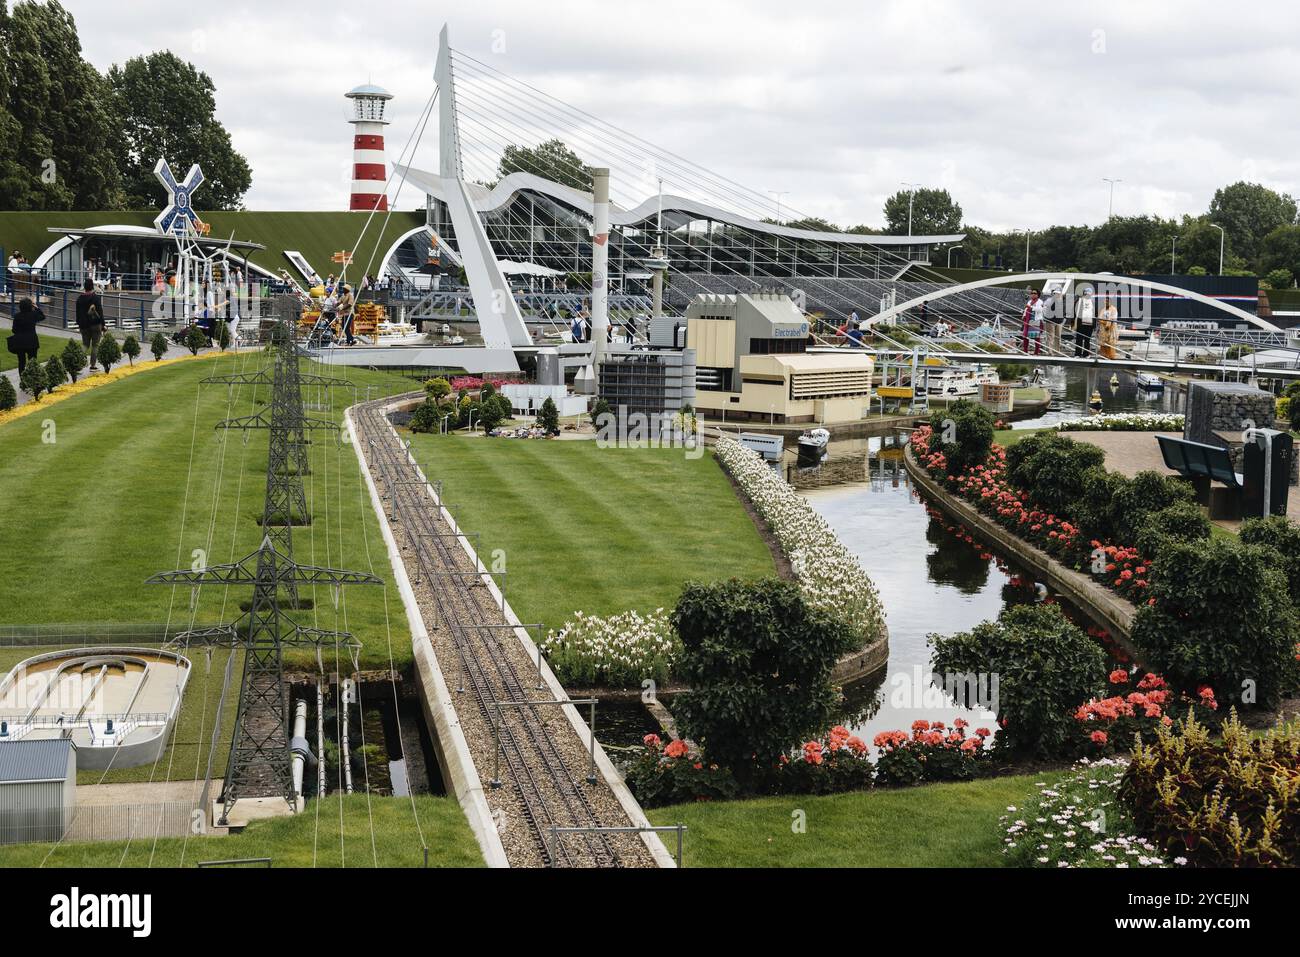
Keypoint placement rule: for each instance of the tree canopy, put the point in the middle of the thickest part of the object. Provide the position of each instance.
(933, 213)
(166, 107)
(553, 160)
(71, 138)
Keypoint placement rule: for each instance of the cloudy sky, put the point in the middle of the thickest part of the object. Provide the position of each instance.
(1019, 109)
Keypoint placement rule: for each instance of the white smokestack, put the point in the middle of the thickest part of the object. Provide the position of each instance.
(599, 263)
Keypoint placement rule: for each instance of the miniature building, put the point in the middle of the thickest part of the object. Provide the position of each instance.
(38, 789)
(651, 382)
(752, 363)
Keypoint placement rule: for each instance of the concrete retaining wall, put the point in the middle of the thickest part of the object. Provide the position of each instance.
(1116, 614)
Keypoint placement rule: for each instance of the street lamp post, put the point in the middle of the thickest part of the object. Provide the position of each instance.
(1110, 212)
(1173, 257)
(777, 195)
(1223, 233)
(911, 193)
(951, 249)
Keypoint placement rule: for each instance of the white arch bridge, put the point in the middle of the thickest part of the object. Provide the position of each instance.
(1262, 349)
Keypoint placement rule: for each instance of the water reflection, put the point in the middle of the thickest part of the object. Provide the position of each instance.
(934, 577)
(1071, 387)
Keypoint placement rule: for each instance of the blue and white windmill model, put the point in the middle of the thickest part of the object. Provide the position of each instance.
(179, 221)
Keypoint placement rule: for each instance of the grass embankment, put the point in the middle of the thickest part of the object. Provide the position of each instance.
(50, 346)
(137, 481)
(936, 825)
(311, 839)
(598, 530)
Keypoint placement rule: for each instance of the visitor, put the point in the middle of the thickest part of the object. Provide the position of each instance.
(1054, 323)
(346, 308)
(1108, 331)
(15, 265)
(90, 318)
(24, 342)
(1084, 322)
(923, 312)
(1031, 323)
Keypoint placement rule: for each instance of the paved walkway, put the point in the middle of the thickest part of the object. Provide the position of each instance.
(1133, 452)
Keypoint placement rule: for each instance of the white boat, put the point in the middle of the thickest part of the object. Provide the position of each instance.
(812, 445)
(1150, 382)
(952, 382)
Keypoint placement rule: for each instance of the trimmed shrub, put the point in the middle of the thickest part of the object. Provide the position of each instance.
(1051, 468)
(131, 348)
(54, 373)
(158, 346)
(1142, 496)
(425, 418)
(109, 352)
(194, 340)
(8, 395)
(1045, 666)
(1280, 534)
(548, 417)
(74, 359)
(972, 433)
(1180, 522)
(1096, 510)
(1220, 615)
(757, 659)
(1231, 801)
(32, 381)
(437, 388)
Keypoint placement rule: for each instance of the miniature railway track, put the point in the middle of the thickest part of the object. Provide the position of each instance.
(547, 791)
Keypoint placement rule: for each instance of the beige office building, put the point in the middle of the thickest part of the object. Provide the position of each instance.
(752, 363)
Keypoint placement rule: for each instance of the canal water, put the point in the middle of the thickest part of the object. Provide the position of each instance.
(1071, 388)
(933, 576)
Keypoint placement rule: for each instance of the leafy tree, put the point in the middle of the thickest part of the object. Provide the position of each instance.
(109, 351)
(425, 418)
(495, 409)
(758, 661)
(167, 106)
(32, 380)
(158, 346)
(1249, 212)
(131, 348)
(221, 335)
(58, 127)
(1278, 279)
(438, 388)
(55, 374)
(552, 160)
(1280, 249)
(74, 359)
(548, 417)
(8, 397)
(194, 339)
(933, 213)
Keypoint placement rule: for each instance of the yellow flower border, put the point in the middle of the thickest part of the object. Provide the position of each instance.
(70, 390)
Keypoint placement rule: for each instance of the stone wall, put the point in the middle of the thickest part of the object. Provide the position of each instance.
(1214, 407)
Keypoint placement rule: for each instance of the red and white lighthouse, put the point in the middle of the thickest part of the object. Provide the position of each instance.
(369, 171)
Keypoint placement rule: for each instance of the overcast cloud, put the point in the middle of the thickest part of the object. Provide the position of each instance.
(1019, 109)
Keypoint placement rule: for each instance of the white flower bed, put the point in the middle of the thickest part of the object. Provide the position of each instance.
(1124, 422)
(1079, 822)
(617, 650)
(828, 573)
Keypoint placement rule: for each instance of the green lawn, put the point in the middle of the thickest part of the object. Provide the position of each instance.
(937, 825)
(598, 530)
(115, 498)
(1009, 437)
(50, 345)
(305, 840)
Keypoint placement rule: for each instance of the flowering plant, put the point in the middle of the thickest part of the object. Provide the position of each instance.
(828, 574)
(617, 650)
(933, 752)
(1124, 422)
(662, 774)
(837, 763)
(1079, 822)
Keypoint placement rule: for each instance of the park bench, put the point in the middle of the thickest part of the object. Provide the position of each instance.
(1203, 465)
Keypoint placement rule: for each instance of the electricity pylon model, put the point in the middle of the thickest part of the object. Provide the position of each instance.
(287, 424)
(259, 764)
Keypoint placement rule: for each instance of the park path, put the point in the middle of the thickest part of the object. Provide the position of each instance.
(53, 332)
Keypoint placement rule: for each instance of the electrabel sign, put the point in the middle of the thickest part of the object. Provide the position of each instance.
(791, 332)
